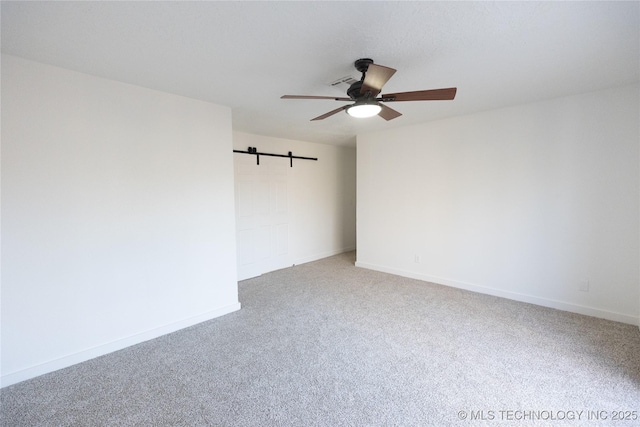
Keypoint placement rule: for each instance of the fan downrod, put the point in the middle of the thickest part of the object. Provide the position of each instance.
(361, 65)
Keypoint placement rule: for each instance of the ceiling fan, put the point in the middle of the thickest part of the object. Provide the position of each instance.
(365, 94)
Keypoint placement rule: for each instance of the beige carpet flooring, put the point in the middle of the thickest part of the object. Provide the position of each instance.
(329, 344)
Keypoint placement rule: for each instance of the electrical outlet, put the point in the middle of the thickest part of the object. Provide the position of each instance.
(416, 259)
(583, 286)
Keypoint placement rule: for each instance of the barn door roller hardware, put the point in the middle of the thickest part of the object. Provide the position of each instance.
(290, 156)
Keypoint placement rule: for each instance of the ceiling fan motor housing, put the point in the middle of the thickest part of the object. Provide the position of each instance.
(354, 90)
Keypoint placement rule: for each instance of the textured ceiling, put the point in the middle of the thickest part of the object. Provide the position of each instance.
(245, 55)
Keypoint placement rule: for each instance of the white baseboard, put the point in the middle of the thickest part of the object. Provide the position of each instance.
(545, 302)
(100, 350)
(321, 255)
(244, 275)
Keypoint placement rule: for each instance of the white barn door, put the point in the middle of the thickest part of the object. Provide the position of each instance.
(262, 214)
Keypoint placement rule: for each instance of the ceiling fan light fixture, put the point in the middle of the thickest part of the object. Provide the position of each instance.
(365, 92)
(364, 110)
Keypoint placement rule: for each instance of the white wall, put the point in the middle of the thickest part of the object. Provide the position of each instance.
(117, 216)
(525, 202)
(321, 195)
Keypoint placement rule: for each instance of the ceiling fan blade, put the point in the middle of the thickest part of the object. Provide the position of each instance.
(335, 98)
(388, 113)
(375, 77)
(329, 114)
(421, 95)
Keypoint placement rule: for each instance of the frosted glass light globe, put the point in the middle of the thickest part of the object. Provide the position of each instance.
(364, 110)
